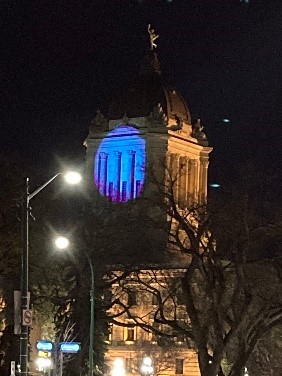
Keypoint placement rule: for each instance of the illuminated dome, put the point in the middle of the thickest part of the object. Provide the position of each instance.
(140, 96)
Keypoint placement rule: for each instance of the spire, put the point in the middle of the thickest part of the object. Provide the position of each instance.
(153, 37)
(150, 62)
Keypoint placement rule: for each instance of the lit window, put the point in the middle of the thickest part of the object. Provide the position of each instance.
(110, 332)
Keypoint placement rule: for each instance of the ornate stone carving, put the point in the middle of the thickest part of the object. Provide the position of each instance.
(157, 117)
(99, 123)
(198, 134)
(125, 120)
(178, 126)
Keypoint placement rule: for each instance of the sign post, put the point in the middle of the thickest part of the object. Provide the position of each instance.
(13, 368)
(67, 348)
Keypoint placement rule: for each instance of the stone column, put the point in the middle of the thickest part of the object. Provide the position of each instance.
(168, 170)
(117, 188)
(103, 170)
(132, 161)
(186, 181)
(182, 181)
(177, 175)
(204, 180)
(194, 184)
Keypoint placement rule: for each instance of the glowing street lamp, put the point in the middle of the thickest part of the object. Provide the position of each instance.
(71, 178)
(61, 242)
(44, 364)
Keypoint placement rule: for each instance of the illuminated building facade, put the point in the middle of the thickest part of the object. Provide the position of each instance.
(147, 131)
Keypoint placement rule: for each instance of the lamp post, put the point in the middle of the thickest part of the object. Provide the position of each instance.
(71, 178)
(62, 243)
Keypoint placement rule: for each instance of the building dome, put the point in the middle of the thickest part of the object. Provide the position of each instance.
(140, 96)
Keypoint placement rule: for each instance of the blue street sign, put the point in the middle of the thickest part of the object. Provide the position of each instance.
(45, 345)
(69, 347)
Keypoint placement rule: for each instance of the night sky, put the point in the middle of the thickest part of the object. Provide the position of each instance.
(61, 60)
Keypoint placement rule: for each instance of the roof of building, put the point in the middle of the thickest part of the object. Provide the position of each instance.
(139, 97)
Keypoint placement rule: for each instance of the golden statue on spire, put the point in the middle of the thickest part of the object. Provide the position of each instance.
(153, 37)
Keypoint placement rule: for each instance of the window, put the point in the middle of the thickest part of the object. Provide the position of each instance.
(110, 332)
(131, 298)
(130, 335)
(179, 366)
(155, 336)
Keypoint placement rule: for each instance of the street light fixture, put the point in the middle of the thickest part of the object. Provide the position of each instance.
(71, 178)
(61, 242)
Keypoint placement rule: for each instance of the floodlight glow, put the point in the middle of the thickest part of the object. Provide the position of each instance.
(119, 168)
(118, 367)
(72, 177)
(147, 361)
(146, 370)
(43, 363)
(147, 366)
(118, 362)
(62, 242)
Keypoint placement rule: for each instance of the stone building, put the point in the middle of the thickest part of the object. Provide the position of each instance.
(145, 137)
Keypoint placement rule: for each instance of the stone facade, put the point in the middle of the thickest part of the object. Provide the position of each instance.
(175, 153)
(142, 293)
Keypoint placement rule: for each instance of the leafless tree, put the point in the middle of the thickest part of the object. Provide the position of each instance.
(216, 300)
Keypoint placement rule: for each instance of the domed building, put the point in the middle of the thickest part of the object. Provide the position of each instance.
(148, 110)
(141, 140)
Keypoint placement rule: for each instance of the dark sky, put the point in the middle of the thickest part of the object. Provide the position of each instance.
(61, 59)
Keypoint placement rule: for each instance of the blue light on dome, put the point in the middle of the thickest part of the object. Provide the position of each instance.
(119, 168)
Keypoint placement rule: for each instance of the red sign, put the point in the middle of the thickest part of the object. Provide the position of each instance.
(27, 317)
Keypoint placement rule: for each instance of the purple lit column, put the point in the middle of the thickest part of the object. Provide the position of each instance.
(132, 161)
(118, 182)
(103, 172)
